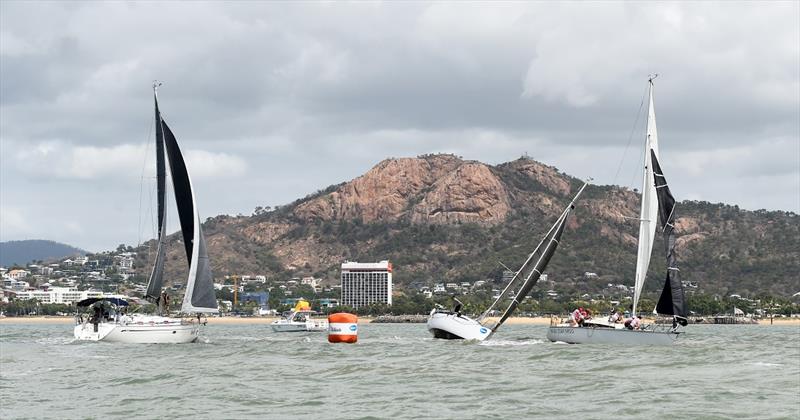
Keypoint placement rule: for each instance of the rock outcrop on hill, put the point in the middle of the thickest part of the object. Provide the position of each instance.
(441, 189)
(440, 218)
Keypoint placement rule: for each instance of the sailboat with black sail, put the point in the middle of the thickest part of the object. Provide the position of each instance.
(657, 206)
(109, 322)
(455, 325)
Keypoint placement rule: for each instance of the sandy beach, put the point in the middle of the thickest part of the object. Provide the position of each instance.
(231, 320)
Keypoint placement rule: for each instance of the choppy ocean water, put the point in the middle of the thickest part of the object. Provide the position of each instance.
(398, 371)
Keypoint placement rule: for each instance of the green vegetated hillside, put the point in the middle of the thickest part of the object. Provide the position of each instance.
(439, 218)
(27, 251)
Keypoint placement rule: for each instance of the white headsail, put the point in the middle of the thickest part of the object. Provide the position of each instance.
(648, 216)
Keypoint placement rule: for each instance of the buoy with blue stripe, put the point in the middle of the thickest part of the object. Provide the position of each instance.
(342, 328)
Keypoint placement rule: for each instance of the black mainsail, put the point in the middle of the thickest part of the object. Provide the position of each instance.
(542, 255)
(672, 300)
(199, 295)
(156, 280)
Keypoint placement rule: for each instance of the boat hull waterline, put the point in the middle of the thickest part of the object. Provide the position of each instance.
(283, 326)
(451, 326)
(603, 335)
(164, 330)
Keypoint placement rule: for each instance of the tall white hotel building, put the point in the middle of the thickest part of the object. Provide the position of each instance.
(366, 283)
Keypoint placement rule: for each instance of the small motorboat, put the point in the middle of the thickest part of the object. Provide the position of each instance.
(300, 319)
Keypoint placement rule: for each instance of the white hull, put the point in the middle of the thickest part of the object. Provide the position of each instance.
(450, 326)
(603, 335)
(288, 326)
(140, 330)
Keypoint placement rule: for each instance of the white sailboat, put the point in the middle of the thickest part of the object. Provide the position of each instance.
(109, 323)
(657, 204)
(453, 324)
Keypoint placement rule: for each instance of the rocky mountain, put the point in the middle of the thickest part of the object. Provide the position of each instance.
(440, 218)
(23, 252)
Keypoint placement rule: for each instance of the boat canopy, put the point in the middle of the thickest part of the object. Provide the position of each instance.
(91, 301)
(302, 306)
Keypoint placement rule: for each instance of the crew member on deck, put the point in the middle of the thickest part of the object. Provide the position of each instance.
(615, 317)
(95, 319)
(577, 317)
(163, 303)
(457, 307)
(632, 323)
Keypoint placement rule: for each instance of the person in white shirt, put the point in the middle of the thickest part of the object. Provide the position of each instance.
(632, 323)
(615, 317)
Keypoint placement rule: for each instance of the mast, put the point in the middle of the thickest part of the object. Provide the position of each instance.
(543, 256)
(156, 281)
(516, 275)
(649, 207)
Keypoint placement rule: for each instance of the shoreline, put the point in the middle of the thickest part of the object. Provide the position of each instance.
(231, 320)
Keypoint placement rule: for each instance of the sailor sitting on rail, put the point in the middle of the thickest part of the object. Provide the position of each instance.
(615, 317)
(632, 323)
(577, 317)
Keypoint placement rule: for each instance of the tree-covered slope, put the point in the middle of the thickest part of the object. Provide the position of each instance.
(441, 219)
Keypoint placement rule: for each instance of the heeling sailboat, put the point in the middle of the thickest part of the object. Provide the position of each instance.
(454, 325)
(199, 294)
(657, 205)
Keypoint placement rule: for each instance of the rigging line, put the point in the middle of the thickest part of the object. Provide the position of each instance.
(141, 184)
(630, 137)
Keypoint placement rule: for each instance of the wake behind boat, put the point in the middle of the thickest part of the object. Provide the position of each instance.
(657, 203)
(199, 297)
(452, 325)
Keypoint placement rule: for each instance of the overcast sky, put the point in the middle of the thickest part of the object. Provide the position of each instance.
(272, 101)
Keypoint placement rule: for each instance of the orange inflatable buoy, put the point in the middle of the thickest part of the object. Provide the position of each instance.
(342, 328)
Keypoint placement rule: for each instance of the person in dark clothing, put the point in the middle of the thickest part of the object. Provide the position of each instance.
(457, 308)
(95, 319)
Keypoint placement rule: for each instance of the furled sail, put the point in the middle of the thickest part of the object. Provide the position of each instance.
(542, 255)
(649, 209)
(156, 280)
(672, 300)
(199, 295)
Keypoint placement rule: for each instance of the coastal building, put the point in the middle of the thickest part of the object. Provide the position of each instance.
(66, 295)
(313, 282)
(260, 298)
(125, 263)
(366, 283)
(18, 274)
(328, 303)
(15, 285)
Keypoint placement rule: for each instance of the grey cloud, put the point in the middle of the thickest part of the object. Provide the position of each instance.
(310, 94)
